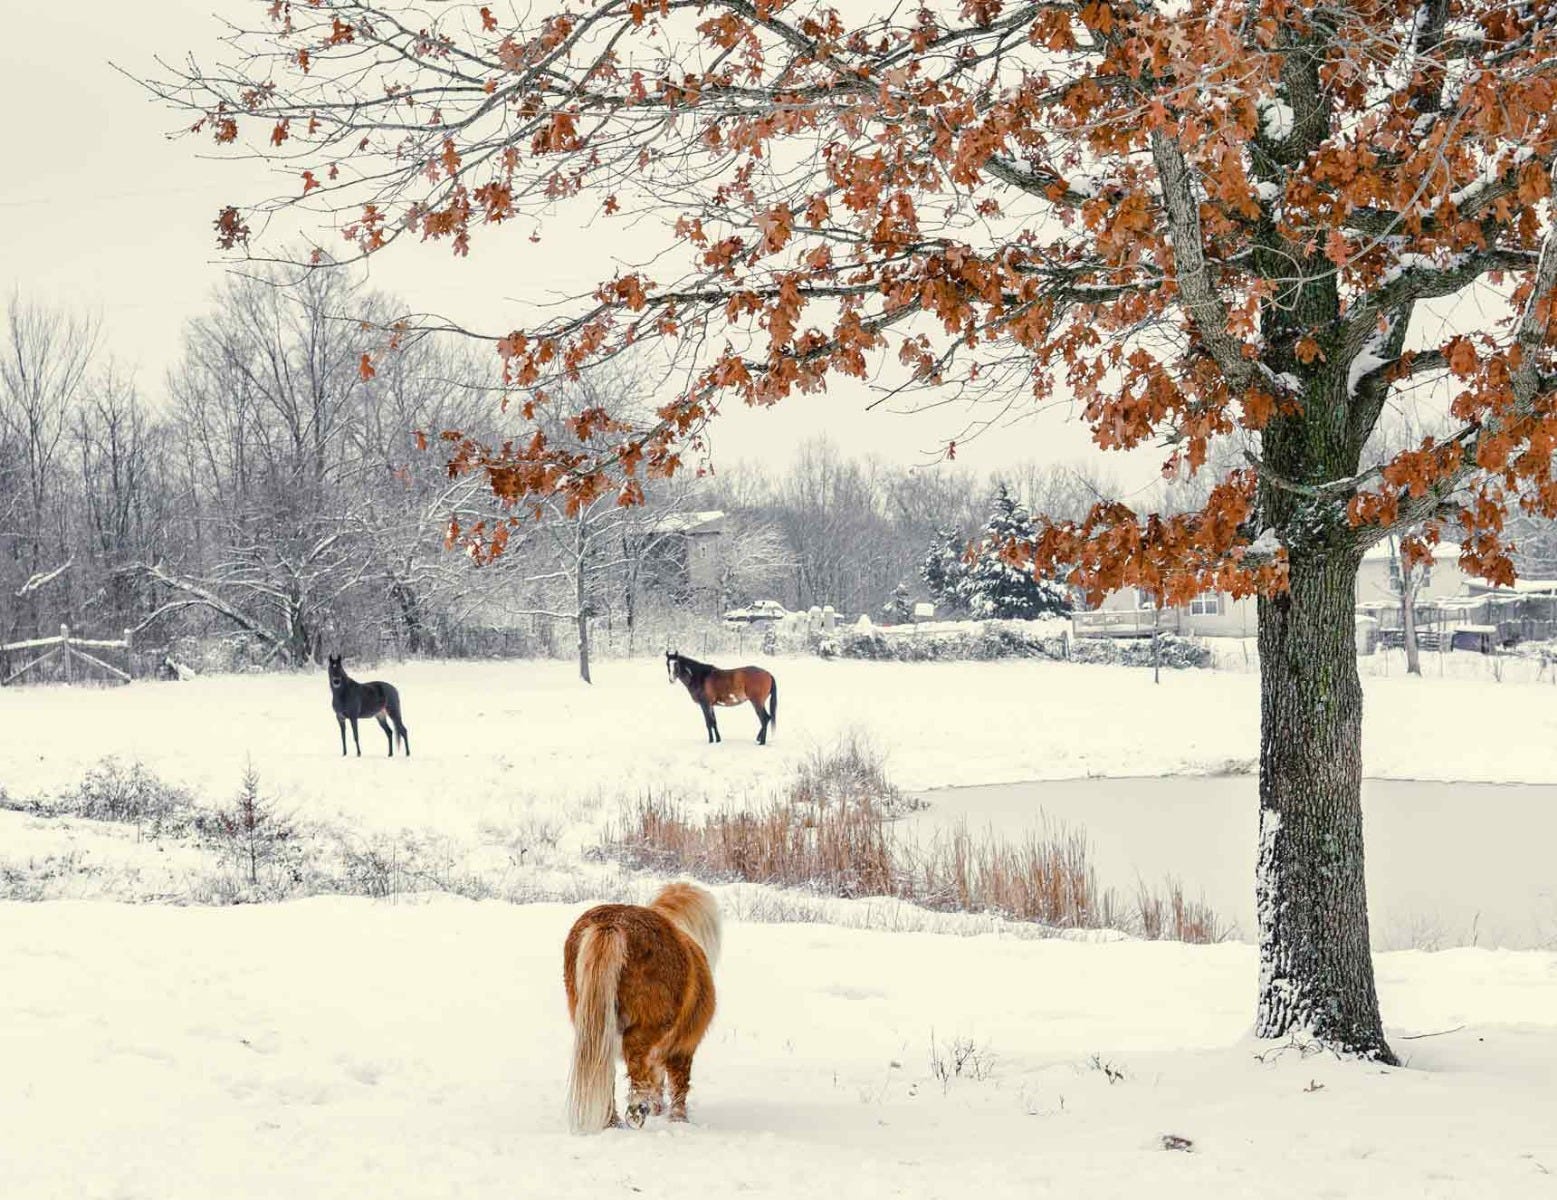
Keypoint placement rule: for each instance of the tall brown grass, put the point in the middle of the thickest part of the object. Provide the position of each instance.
(1173, 917)
(840, 848)
(1046, 877)
(832, 836)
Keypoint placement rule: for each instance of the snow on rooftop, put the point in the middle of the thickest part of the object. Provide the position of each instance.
(689, 522)
(1381, 551)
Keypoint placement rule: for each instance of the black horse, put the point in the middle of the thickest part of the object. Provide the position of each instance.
(709, 686)
(352, 700)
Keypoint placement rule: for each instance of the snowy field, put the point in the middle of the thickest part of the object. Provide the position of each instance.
(490, 738)
(334, 1048)
(340, 1046)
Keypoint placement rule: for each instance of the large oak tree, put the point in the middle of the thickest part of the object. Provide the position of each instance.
(1204, 220)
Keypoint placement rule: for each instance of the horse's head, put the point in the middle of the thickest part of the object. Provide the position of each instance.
(337, 670)
(672, 665)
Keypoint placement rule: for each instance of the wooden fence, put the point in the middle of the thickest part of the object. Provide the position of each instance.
(71, 656)
(1124, 623)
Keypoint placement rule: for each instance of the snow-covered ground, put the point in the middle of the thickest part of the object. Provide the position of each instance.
(489, 739)
(331, 1048)
(335, 1046)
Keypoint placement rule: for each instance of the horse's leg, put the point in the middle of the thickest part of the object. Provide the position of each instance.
(657, 1100)
(341, 721)
(713, 724)
(762, 724)
(678, 1067)
(383, 723)
(393, 706)
(356, 741)
(708, 722)
(642, 1089)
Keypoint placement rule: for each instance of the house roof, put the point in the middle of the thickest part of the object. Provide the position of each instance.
(690, 522)
(1479, 587)
(1380, 552)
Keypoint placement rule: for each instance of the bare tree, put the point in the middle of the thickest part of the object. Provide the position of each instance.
(829, 511)
(317, 515)
(45, 359)
(597, 545)
(1407, 577)
(751, 558)
(1404, 424)
(1060, 491)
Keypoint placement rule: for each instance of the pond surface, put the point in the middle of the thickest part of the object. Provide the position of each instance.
(1449, 864)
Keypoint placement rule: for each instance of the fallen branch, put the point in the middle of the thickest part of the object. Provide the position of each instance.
(211, 600)
(43, 578)
(1412, 1037)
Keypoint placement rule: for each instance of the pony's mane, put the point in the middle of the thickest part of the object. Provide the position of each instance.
(693, 911)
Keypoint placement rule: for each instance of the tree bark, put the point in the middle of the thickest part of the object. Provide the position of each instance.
(1408, 587)
(1316, 966)
(581, 609)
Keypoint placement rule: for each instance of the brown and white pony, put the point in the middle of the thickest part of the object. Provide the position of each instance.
(711, 686)
(640, 984)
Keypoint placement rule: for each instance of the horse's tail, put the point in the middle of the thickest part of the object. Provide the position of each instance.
(592, 1079)
(772, 702)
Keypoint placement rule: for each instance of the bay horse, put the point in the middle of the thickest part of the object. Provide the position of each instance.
(352, 701)
(709, 686)
(640, 985)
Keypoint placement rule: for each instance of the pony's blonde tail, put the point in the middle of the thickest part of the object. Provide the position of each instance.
(592, 1080)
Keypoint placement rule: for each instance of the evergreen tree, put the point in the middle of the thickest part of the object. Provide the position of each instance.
(899, 606)
(994, 586)
(943, 570)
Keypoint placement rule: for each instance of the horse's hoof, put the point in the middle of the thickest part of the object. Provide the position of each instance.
(637, 1114)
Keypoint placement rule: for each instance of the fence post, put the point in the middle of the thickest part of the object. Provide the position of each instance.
(64, 652)
(129, 653)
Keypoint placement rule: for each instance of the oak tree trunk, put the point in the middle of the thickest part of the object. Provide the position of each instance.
(1316, 968)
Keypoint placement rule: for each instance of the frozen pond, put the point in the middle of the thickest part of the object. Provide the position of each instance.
(1449, 864)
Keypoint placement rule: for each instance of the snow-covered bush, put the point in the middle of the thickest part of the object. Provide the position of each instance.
(982, 641)
(112, 790)
(952, 641)
(1172, 651)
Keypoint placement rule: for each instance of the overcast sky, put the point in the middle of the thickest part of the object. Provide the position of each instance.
(99, 209)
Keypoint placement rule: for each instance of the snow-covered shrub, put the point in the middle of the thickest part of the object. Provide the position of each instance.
(124, 792)
(1173, 652)
(954, 641)
(851, 771)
